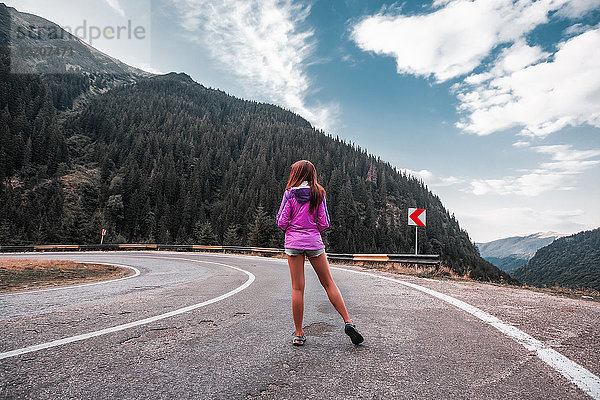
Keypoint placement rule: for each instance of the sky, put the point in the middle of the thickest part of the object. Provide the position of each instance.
(494, 104)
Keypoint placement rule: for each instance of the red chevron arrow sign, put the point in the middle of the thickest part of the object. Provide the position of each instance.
(416, 216)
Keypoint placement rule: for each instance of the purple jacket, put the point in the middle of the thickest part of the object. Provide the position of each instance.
(302, 229)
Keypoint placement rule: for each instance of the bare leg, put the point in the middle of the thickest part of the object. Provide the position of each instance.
(321, 267)
(296, 264)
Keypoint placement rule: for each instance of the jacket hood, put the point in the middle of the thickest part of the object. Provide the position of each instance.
(302, 192)
(302, 195)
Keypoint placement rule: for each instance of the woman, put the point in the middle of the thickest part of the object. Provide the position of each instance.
(303, 216)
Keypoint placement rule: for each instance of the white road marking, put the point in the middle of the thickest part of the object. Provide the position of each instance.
(575, 373)
(137, 272)
(144, 321)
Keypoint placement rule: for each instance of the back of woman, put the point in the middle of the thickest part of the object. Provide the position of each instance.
(303, 228)
(303, 216)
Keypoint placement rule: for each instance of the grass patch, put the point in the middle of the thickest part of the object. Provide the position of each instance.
(581, 293)
(421, 271)
(22, 274)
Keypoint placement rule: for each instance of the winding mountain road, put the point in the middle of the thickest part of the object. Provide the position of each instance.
(199, 325)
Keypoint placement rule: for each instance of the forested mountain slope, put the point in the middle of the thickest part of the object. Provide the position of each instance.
(572, 261)
(164, 159)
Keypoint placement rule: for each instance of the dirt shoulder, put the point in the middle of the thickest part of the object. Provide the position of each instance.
(21, 274)
(443, 273)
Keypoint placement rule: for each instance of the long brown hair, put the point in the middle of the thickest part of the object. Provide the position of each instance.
(304, 170)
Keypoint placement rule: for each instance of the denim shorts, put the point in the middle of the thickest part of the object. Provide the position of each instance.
(307, 253)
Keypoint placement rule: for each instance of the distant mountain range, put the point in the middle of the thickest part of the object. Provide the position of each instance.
(511, 253)
(571, 261)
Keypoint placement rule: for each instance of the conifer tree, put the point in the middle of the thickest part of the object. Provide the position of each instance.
(204, 234)
(231, 237)
(261, 229)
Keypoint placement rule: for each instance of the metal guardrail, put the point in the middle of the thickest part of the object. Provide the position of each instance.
(429, 259)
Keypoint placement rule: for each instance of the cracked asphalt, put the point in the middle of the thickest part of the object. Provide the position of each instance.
(416, 346)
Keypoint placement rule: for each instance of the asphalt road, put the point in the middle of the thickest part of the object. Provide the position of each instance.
(234, 339)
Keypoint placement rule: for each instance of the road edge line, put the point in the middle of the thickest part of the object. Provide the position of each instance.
(71, 339)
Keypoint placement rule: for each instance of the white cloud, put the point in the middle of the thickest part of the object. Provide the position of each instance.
(347, 58)
(525, 87)
(512, 59)
(576, 29)
(567, 160)
(454, 39)
(114, 4)
(147, 67)
(558, 174)
(513, 221)
(576, 8)
(265, 44)
(551, 217)
(531, 184)
(430, 179)
(521, 144)
(541, 97)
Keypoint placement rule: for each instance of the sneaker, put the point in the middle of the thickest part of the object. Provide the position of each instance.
(351, 331)
(299, 340)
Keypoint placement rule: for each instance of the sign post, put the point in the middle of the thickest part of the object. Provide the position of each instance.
(416, 240)
(103, 234)
(417, 217)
